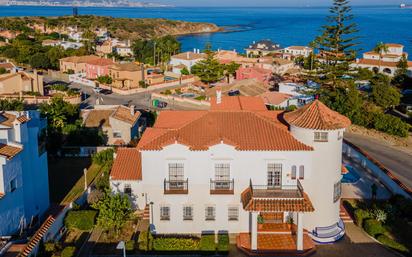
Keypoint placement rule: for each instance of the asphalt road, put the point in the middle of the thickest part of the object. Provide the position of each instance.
(396, 160)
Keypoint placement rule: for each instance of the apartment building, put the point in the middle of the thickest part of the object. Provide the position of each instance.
(24, 187)
(239, 168)
(291, 52)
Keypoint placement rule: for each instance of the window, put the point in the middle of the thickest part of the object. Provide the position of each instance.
(321, 136)
(127, 189)
(210, 213)
(13, 184)
(233, 213)
(293, 172)
(117, 134)
(176, 172)
(301, 172)
(337, 191)
(222, 175)
(187, 213)
(274, 174)
(164, 213)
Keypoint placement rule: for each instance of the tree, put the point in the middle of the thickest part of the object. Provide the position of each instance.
(336, 43)
(380, 48)
(90, 35)
(107, 80)
(11, 105)
(401, 73)
(55, 54)
(114, 211)
(383, 94)
(209, 70)
(58, 112)
(39, 61)
(231, 69)
(2, 70)
(184, 71)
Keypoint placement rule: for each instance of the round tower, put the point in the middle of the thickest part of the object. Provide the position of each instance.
(318, 126)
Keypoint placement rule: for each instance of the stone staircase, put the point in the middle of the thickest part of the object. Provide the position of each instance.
(344, 215)
(146, 213)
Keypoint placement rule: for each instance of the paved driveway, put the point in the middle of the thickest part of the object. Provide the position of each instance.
(398, 161)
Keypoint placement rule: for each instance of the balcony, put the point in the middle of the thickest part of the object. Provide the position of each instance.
(176, 187)
(222, 187)
(283, 191)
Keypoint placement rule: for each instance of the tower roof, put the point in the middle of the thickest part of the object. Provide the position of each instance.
(318, 116)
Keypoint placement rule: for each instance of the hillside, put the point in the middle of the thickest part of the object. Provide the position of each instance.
(123, 28)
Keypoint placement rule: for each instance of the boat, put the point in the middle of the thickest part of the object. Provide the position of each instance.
(405, 6)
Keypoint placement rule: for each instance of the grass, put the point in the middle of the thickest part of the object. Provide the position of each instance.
(92, 172)
(63, 175)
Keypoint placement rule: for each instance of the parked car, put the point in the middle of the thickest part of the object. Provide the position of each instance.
(105, 91)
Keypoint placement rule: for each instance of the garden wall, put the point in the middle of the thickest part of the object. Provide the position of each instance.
(180, 99)
(383, 174)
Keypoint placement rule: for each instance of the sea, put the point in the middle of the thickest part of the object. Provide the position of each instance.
(243, 25)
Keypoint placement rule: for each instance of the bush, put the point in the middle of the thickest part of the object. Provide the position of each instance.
(83, 220)
(360, 215)
(379, 215)
(373, 227)
(207, 243)
(390, 124)
(145, 241)
(223, 242)
(130, 245)
(103, 157)
(68, 251)
(176, 244)
(392, 243)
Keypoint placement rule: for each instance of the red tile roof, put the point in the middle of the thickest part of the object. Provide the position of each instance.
(124, 113)
(275, 98)
(100, 62)
(127, 165)
(317, 116)
(9, 151)
(377, 63)
(246, 103)
(244, 130)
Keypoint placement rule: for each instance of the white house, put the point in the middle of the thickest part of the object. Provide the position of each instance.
(227, 168)
(188, 59)
(24, 186)
(291, 52)
(385, 62)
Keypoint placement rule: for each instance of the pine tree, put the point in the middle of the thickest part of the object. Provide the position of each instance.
(401, 74)
(337, 45)
(209, 70)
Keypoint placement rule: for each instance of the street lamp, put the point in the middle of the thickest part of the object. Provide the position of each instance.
(121, 245)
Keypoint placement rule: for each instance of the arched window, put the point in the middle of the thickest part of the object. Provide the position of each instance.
(294, 172)
(387, 70)
(301, 172)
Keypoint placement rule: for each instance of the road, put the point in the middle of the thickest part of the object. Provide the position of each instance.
(399, 162)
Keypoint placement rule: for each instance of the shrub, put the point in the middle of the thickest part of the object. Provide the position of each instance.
(130, 245)
(207, 243)
(373, 227)
(379, 215)
(83, 220)
(145, 241)
(360, 216)
(176, 244)
(391, 125)
(103, 157)
(392, 243)
(223, 242)
(68, 251)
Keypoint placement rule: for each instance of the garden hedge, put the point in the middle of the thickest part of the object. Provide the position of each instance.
(223, 243)
(145, 241)
(392, 243)
(176, 244)
(373, 227)
(83, 220)
(68, 251)
(360, 216)
(207, 243)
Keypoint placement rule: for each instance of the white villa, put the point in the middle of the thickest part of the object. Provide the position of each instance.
(292, 52)
(239, 168)
(187, 59)
(24, 184)
(384, 62)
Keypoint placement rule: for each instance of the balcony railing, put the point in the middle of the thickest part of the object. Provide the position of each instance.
(176, 186)
(280, 191)
(222, 187)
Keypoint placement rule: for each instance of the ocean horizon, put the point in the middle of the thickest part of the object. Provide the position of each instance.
(243, 25)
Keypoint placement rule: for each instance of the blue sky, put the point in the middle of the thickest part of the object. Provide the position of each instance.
(262, 3)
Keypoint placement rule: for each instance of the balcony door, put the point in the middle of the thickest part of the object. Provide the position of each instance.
(274, 176)
(222, 176)
(176, 175)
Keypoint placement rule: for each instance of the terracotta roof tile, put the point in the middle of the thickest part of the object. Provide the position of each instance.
(7, 119)
(123, 113)
(275, 98)
(242, 129)
(9, 151)
(317, 116)
(189, 56)
(127, 165)
(98, 118)
(23, 119)
(380, 63)
(80, 59)
(238, 103)
(100, 62)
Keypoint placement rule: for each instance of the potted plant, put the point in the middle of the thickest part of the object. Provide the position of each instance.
(260, 221)
(290, 222)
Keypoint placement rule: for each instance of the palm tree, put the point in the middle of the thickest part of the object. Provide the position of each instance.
(380, 49)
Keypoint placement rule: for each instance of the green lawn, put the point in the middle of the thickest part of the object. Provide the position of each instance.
(63, 175)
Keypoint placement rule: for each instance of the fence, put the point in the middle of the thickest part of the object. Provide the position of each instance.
(35, 100)
(373, 166)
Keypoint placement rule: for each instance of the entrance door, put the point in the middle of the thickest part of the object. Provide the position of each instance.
(274, 175)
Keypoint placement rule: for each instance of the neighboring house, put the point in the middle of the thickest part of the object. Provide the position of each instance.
(105, 47)
(24, 185)
(291, 52)
(50, 42)
(8, 66)
(8, 34)
(127, 75)
(277, 99)
(76, 64)
(98, 67)
(76, 36)
(125, 51)
(64, 44)
(121, 124)
(262, 48)
(276, 65)
(188, 59)
(219, 170)
(384, 62)
(260, 74)
(245, 87)
(21, 82)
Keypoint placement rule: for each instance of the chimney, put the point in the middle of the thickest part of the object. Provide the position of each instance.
(113, 59)
(194, 50)
(132, 112)
(188, 55)
(218, 95)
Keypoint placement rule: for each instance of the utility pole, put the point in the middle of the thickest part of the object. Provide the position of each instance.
(154, 53)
